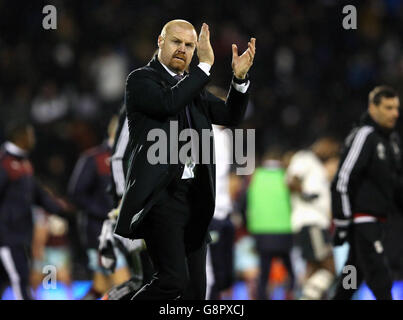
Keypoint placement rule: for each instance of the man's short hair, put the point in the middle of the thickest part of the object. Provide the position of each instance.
(376, 95)
(15, 127)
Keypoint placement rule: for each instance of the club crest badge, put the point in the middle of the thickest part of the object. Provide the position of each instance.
(396, 148)
(378, 247)
(381, 151)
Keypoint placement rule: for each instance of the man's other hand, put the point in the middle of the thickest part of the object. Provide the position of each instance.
(241, 64)
(204, 50)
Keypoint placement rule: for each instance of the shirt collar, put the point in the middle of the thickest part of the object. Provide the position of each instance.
(14, 149)
(173, 74)
(367, 119)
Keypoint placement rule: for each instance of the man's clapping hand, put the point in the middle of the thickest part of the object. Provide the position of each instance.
(241, 64)
(204, 50)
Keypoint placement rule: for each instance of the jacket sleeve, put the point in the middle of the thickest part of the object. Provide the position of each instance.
(147, 95)
(3, 179)
(80, 187)
(399, 193)
(398, 196)
(353, 162)
(230, 112)
(118, 158)
(45, 200)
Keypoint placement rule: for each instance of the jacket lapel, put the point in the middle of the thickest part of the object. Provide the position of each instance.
(194, 108)
(156, 65)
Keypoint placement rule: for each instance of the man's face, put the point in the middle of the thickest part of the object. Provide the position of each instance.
(387, 112)
(325, 148)
(25, 138)
(177, 46)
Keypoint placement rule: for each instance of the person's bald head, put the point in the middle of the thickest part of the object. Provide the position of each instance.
(176, 45)
(177, 23)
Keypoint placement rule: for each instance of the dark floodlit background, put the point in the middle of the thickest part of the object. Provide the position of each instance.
(310, 76)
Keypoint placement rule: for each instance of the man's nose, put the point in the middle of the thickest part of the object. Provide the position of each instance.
(181, 47)
(396, 114)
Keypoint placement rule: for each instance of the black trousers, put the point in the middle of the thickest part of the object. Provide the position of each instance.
(265, 259)
(180, 272)
(367, 255)
(222, 255)
(269, 246)
(14, 270)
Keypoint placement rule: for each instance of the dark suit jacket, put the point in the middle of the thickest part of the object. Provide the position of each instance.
(153, 99)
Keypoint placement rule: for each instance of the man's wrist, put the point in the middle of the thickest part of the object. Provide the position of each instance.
(206, 67)
(240, 80)
(240, 85)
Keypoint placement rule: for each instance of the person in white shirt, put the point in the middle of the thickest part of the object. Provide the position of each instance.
(220, 251)
(309, 183)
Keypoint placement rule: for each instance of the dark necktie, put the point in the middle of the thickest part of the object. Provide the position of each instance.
(191, 164)
(179, 77)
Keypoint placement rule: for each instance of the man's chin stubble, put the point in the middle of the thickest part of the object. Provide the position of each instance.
(177, 68)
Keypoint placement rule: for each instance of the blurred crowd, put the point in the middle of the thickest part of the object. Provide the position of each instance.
(310, 70)
(311, 77)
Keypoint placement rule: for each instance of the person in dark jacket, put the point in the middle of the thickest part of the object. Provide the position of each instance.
(365, 191)
(170, 203)
(19, 191)
(88, 188)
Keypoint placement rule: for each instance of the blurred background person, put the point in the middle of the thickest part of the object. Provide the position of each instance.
(39, 238)
(268, 220)
(309, 183)
(246, 262)
(366, 190)
(88, 189)
(220, 252)
(19, 191)
(51, 247)
(135, 251)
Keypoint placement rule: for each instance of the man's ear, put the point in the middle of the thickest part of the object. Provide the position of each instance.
(371, 106)
(160, 41)
(372, 109)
